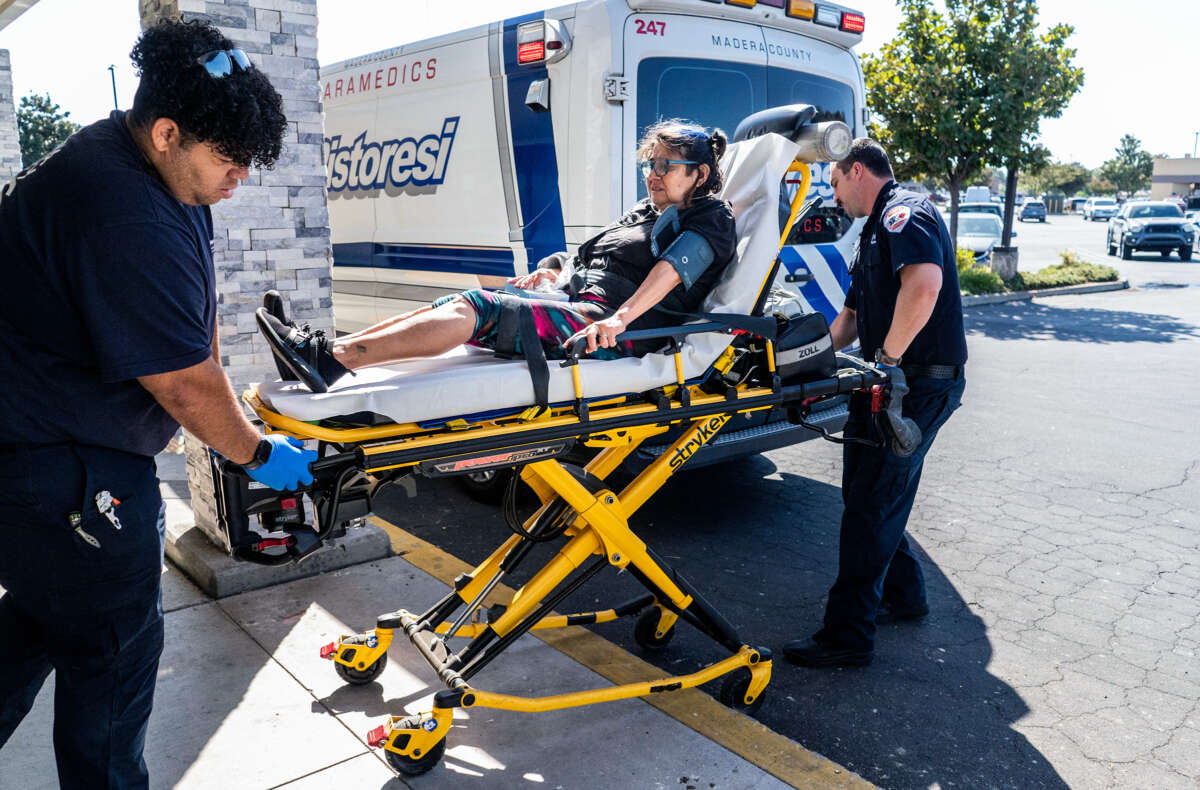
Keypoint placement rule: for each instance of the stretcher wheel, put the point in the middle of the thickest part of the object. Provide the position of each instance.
(645, 633)
(733, 692)
(486, 486)
(415, 766)
(361, 677)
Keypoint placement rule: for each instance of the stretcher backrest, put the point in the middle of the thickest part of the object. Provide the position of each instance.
(465, 382)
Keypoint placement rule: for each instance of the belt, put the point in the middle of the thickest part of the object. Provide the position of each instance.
(951, 372)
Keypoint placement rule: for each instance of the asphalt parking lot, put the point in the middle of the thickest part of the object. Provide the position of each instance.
(1058, 520)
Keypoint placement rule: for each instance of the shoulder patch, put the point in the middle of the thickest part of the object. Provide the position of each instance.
(895, 218)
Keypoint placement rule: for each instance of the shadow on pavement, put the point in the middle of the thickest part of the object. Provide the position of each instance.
(1035, 321)
(762, 547)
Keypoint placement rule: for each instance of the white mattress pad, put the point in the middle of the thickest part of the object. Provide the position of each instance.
(469, 381)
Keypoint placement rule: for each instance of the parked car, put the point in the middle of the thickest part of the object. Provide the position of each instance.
(1193, 218)
(978, 195)
(1033, 209)
(1075, 204)
(981, 208)
(1099, 208)
(1151, 225)
(979, 233)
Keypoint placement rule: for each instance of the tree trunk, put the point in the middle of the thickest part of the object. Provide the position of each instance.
(1010, 200)
(954, 184)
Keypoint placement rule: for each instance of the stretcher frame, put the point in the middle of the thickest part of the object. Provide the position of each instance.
(577, 504)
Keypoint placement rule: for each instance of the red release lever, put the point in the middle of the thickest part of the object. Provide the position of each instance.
(269, 543)
(329, 651)
(876, 398)
(377, 737)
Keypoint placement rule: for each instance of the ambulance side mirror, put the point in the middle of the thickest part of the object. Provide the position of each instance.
(537, 98)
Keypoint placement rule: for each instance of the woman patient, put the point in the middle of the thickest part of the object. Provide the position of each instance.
(619, 277)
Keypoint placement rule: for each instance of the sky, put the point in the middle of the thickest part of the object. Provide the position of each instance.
(1139, 59)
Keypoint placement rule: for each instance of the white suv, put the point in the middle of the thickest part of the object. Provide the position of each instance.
(1099, 208)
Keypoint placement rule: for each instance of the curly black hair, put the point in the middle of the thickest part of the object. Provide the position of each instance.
(240, 115)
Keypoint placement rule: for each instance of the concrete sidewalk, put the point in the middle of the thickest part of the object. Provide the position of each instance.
(245, 701)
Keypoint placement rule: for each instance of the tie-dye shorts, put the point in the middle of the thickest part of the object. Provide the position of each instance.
(555, 320)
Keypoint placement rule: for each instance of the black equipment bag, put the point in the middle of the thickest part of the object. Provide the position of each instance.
(804, 349)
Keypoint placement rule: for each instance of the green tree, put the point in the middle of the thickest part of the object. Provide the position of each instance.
(1101, 186)
(1069, 178)
(930, 99)
(959, 90)
(41, 127)
(1031, 77)
(1131, 168)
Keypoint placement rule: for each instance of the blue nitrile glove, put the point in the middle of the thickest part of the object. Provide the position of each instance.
(287, 466)
(906, 434)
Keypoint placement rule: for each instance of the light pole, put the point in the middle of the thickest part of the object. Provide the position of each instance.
(113, 73)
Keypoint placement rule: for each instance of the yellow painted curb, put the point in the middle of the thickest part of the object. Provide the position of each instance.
(774, 753)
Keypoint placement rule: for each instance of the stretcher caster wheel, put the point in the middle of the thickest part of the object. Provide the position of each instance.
(733, 692)
(415, 766)
(361, 677)
(645, 633)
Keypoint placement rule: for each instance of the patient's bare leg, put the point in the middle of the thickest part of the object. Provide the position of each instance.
(421, 333)
(385, 323)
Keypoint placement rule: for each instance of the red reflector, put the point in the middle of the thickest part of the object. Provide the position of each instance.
(853, 23)
(329, 650)
(531, 52)
(377, 737)
(288, 504)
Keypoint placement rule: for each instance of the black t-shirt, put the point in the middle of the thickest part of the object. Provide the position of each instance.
(106, 277)
(617, 260)
(905, 228)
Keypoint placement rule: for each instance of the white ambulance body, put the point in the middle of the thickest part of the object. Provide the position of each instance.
(457, 162)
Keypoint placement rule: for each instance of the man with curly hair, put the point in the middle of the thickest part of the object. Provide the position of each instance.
(109, 325)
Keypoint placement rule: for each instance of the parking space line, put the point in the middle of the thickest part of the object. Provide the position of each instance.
(757, 744)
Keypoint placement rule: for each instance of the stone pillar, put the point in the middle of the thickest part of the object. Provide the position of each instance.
(274, 232)
(10, 145)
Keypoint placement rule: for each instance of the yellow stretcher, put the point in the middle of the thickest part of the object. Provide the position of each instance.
(579, 509)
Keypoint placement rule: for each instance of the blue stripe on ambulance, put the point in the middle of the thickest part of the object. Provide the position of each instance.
(832, 267)
(415, 257)
(534, 157)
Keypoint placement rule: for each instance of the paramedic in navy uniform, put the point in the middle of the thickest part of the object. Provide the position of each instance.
(904, 308)
(108, 319)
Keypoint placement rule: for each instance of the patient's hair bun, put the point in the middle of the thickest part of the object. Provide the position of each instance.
(719, 143)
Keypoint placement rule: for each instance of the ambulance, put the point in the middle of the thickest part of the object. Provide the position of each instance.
(460, 161)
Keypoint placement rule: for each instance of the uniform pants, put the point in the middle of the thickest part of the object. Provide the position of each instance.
(82, 598)
(875, 562)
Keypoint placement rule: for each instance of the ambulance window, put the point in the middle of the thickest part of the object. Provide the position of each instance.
(834, 100)
(709, 92)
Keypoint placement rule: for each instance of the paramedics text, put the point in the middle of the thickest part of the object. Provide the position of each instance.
(365, 164)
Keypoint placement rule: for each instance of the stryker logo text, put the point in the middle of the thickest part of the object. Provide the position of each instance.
(703, 434)
(365, 164)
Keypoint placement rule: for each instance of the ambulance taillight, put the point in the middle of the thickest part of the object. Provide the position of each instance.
(853, 23)
(542, 41)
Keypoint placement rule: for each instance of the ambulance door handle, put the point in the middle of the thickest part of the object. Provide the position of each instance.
(537, 98)
(798, 276)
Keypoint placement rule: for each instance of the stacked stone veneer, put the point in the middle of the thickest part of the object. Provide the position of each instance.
(274, 232)
(10, 145)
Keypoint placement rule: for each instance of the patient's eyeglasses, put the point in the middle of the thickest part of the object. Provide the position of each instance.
(660, 166)
(220, 62)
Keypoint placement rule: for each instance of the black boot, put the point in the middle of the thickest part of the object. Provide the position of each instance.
(273, 304)
(304, 353)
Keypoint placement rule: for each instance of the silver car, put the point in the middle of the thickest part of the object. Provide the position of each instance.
(979, 233)
(1099, 208)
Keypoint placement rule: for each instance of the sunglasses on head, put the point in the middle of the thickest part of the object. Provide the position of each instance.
(661, 166)
(220, 62)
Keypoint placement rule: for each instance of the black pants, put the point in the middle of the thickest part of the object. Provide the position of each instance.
(875, 562)
(84, 599)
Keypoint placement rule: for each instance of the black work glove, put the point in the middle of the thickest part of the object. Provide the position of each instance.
(906, 434)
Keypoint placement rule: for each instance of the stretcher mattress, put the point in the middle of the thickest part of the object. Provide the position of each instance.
(470, 381)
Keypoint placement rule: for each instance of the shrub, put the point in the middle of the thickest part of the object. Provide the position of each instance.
(966, 259)
(980, 280)
(1072, 271)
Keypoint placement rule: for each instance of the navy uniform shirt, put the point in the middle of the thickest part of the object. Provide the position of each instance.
(105, 277)
(905, 228)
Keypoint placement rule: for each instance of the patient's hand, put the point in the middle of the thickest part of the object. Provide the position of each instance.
(602, 334)
(529, 282)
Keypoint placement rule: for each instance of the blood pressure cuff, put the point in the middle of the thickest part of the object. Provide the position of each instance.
(690, 254)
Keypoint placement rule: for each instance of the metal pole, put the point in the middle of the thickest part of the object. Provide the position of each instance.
(1195, 139)
(112, 73)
